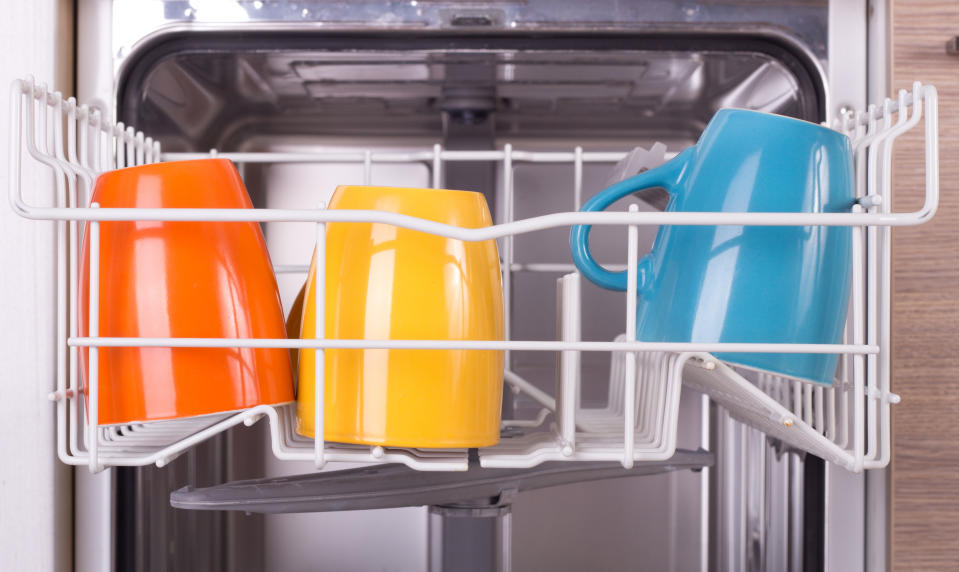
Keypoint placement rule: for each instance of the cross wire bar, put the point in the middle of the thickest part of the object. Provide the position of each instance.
(518, 345)
(551, 267)
(406, 156)
(476, 234)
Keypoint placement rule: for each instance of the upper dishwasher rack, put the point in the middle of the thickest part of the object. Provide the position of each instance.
(847, 423)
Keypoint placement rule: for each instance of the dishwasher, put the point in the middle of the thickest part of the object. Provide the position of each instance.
(630, 457)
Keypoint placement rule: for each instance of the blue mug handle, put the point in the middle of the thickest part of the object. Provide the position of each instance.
(668, 176)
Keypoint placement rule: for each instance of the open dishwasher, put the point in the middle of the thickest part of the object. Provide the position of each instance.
(535, 117)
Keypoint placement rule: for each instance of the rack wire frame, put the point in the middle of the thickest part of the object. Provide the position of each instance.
(847, 423)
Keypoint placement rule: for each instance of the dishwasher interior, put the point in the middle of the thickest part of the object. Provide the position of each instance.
(283, 94)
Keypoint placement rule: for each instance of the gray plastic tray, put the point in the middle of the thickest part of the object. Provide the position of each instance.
(390, 486)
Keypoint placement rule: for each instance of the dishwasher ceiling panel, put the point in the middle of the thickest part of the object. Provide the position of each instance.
(194, 95)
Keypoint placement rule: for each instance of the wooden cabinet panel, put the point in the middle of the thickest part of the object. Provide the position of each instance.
(925, 312)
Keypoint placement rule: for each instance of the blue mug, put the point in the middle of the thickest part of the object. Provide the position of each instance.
(745, 283)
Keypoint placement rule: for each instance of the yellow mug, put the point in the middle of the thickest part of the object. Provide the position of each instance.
(386, 282)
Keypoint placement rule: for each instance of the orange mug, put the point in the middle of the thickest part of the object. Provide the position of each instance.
(387, 282)
(182, 279)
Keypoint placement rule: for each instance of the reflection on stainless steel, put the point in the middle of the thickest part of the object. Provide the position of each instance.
(759, 516)
(182, 95)
(548, 92)
(754, 462)
(766, 88)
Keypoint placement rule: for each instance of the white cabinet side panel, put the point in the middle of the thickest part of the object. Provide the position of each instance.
(35, 488)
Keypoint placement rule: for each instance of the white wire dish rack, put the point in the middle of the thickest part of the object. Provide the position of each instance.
(847, 423)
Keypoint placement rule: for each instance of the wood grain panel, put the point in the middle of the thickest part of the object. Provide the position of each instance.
(925, 313)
